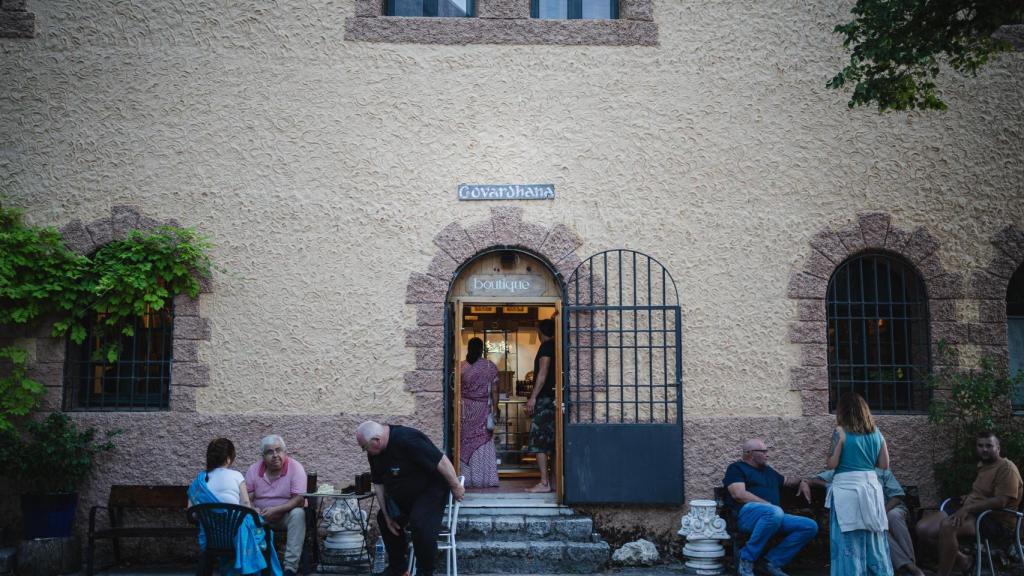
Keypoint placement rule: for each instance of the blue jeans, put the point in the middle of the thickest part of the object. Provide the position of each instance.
(762, 521)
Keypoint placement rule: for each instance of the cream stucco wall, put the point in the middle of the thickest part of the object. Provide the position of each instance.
(322, 169)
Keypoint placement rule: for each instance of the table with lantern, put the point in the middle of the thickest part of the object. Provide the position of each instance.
(346, 549)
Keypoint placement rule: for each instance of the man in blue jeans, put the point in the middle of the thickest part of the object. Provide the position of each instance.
(753, 494)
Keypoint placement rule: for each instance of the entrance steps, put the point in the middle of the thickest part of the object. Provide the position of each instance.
(526, 534)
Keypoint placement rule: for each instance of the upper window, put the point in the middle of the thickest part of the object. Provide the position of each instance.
(574, 9)
(442, 8)
(878, 334)
(140, 377)
(1015, 331)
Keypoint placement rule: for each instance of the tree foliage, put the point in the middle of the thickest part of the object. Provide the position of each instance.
(898, 47)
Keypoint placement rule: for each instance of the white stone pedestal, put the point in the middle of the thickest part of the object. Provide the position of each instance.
(346, 527)
(702, 529)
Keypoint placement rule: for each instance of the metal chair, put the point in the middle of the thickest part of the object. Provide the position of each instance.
(445, 538)
(220, 523)
(1016, 541)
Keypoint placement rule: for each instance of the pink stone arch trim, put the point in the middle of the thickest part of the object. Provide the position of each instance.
(808, 285)
(187, 372)
(456, 245)
(989, 286)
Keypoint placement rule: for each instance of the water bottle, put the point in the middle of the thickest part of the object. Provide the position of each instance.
(378, 556)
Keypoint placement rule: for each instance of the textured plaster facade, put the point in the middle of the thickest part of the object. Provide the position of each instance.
(324, 170)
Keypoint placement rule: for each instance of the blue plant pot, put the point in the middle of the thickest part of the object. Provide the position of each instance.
(48, 515)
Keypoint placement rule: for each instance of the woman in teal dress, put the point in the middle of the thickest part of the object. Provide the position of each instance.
(857, 520)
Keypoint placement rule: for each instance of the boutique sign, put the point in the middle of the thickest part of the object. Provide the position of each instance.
(506, 192)
(506, 285)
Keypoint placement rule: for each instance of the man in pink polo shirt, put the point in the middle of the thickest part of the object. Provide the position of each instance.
(274, 485)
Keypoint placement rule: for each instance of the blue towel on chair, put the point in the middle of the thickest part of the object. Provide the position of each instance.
(250, 541)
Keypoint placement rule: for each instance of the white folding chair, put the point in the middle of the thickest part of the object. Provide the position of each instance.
(445, 538)
(1017, 547)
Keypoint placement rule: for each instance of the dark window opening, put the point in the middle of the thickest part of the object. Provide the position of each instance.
(574, 9)
(878, 334)
(140, 377)
(1015, 332)
(432, 8)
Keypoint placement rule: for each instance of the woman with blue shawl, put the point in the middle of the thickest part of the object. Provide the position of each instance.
(220, 484)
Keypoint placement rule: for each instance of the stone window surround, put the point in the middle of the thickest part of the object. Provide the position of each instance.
(989, 287)
(808, 285)
(428, 291)
(504, 22)
(188, 372)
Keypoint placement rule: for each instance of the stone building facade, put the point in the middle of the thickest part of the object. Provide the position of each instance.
(320, 147)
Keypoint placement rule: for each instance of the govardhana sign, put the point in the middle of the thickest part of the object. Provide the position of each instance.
(506, 192)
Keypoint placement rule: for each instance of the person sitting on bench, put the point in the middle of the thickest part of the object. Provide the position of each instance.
(275, 485)
(753, 495)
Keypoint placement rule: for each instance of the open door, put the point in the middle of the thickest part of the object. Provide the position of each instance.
(451, 436)
(623, 431)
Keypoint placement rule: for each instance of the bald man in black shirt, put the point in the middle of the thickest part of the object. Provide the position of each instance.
(411, 479)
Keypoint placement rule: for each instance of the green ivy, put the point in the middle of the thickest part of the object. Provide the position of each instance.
(897, 47)
(18, 392)
(41, 278)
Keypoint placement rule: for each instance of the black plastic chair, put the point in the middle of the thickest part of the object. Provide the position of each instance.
(220, 523)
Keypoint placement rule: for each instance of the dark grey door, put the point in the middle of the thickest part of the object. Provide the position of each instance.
(449, 378)
(622, 363)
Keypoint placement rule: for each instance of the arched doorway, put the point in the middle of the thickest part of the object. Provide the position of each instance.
(500, 296)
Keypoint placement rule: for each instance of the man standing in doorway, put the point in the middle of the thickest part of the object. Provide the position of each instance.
(274, 485)
(541, 404)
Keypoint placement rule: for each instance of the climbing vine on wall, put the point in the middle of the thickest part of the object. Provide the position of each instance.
(40, 278)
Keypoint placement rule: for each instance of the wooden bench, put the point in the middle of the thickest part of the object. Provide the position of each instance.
(167, 498)
(137, 498)
(793, 503)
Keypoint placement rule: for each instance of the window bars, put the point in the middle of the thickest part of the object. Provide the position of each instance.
(139, 380)
(623, 344)
(878, 334)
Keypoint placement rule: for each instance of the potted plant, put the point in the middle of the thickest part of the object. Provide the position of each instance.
(47, 464)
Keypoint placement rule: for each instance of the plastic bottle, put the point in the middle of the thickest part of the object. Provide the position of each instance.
(379, 556)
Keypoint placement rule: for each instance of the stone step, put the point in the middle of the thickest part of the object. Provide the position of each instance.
(518, 527)
(531, 557)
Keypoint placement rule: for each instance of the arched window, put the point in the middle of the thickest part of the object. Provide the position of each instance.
(574, 9)
(1015, 330)
(878, 334)
(140, 377)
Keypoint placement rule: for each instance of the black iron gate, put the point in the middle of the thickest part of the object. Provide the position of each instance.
(622, 368)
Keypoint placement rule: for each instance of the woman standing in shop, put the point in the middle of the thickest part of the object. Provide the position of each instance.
(479, 400)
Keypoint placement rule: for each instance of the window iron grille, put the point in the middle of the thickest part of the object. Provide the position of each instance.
(139, 380)
(878, 343)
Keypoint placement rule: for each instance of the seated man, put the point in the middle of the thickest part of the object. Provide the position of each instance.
(274, 485)
(997, 485)
(753, 495)
(901, 548)
(411, 479)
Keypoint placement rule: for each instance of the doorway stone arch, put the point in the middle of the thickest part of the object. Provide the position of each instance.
(428, 290)
(988, 287)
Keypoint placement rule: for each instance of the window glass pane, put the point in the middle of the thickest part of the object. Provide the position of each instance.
(453, 8)
(558, 9)
(408, 8)
(1015, 330)
(597, 8)
(1015, 294)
